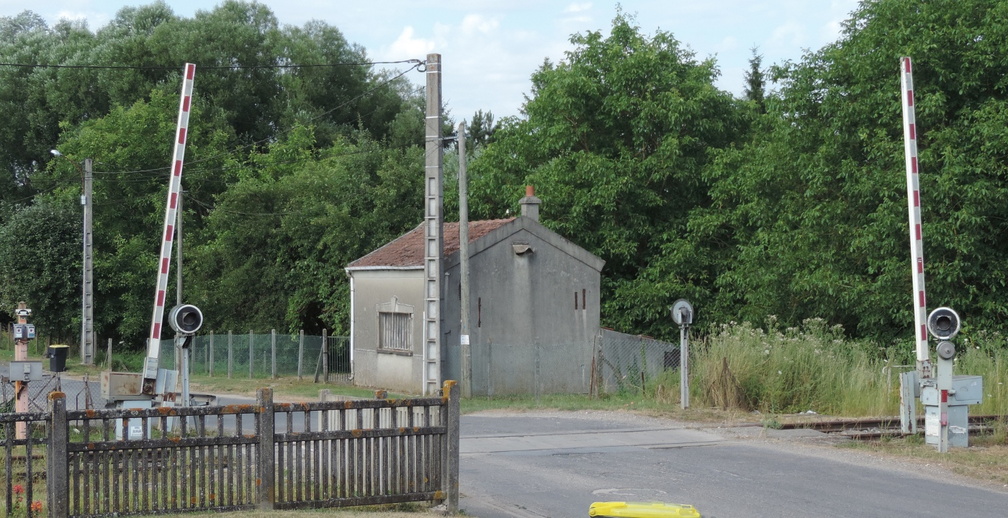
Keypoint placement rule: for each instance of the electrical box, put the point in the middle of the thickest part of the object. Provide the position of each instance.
(19, 331)
(966, 390)
(119, 386)
(25, 371)
(30, 331)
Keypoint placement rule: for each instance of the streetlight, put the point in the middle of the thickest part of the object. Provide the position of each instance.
(87, 296)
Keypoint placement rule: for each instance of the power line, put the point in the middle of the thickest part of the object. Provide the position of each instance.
(414, 61)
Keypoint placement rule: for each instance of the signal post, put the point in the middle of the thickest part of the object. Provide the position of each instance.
(23, 332)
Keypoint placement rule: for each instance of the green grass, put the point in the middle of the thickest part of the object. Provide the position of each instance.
(788, 371)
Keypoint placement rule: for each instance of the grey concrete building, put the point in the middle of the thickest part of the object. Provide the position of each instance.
(534, 309)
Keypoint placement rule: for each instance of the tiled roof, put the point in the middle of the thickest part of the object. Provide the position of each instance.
(408, 249)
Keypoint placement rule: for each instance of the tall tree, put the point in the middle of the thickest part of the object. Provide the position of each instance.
(331, 207)
(615, 140)
(40, 257)
(818, 199)
(755, 82)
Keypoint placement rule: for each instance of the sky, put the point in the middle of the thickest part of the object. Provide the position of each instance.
(490, 48)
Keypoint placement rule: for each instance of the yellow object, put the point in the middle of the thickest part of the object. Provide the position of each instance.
(642, 510)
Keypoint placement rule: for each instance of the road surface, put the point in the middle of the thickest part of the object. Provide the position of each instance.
(555, 464)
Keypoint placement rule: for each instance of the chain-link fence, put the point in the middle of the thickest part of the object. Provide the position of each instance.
(611, 362)
(250, 355)
(630, 362)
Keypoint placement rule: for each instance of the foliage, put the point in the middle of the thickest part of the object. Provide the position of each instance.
(755, 82)
(236, 47)
(789, 203)
(615, 140)
(306, 214)
(815, 204)
(251, 91)
(481, 129)
(40, 258)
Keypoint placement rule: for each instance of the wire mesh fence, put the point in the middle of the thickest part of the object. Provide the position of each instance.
(630, 362)
(610, 362)
(272, 355)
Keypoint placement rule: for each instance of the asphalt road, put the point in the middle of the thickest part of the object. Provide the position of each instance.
(557, 464)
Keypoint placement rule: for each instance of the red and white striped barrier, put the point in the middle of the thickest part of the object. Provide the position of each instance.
(914, 205)
(168, 235)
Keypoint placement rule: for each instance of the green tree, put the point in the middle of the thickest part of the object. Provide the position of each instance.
(755, 82)
(615, 140)
(40, 263)
(817, 200)
(482, 128)
(256, 81)
(131, 151)
(304, 226)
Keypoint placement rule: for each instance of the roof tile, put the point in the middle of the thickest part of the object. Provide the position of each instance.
(408, 251)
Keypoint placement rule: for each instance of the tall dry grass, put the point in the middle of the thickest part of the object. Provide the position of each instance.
(815, 368)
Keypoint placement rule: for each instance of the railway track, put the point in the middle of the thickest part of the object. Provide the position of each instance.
(869, 428)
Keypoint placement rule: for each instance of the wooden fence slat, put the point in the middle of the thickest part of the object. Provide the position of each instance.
(342, 453)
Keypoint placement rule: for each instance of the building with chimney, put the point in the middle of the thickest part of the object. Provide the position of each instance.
(533, 306)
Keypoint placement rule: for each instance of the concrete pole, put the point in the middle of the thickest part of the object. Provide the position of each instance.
(87, 299)
(433, 229)
(464, 262)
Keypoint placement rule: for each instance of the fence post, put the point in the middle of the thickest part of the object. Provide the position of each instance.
(325, 356)
(57, 485)
(273, 369)
(450, 394)
(251, 354)
(267, 450)
(230, 353)
(300, 353)
(210, 360)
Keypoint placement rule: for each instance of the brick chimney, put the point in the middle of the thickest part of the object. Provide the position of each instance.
(530, 204)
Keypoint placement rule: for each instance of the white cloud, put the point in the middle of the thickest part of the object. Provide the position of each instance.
(475, 24)
(578, 8)
(790, 34)
(408, 45)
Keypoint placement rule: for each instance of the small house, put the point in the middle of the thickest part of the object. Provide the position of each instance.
(534, 309)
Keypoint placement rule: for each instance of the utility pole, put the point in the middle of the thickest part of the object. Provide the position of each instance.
(87, 299)
(433, 230)
(464, 263)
